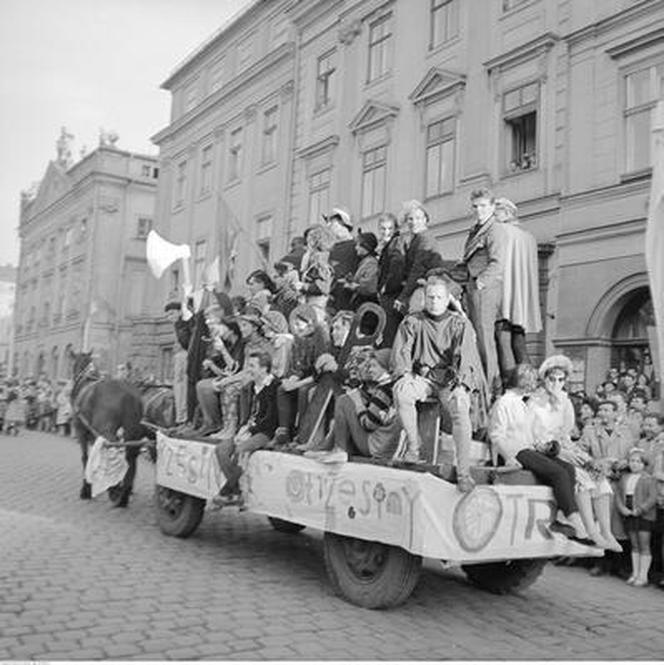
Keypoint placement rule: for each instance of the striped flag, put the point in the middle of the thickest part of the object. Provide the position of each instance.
(654, 249)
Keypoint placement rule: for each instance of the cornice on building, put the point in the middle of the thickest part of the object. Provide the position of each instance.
(603, 231)
(645, 40)
(521, 53)
(594, 30)
(239, 82)
(437, 83)
(305, 12)
(610, 191)
(319, 147)
(234, 23)
(371, 114)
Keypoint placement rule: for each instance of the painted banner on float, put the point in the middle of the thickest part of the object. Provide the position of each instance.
(419, 512)
(188, 466)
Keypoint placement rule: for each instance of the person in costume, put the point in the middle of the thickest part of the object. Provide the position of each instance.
(435, 355)
(520, 306)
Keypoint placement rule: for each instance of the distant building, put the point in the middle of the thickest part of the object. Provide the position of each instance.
(7, 296)
(298, 106)
(82, 271)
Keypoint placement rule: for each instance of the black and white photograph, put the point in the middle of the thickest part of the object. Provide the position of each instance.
(331, 330)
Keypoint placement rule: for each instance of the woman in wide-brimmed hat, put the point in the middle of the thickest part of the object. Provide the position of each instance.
(553, 420)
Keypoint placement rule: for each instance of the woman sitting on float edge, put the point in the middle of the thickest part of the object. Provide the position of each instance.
(553, 420)
(510, 430)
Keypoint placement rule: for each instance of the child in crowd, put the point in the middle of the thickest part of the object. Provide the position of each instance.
(63, 405)
(636, 500)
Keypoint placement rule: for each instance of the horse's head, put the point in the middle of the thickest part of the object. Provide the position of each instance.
(83, 364)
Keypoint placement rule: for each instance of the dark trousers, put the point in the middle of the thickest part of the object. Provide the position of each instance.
(484, 311)
(511, 347)
(289, 404)
(349, 435)
(554, 472)
(392, 321)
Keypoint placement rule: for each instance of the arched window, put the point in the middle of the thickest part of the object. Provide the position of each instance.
(630, 336)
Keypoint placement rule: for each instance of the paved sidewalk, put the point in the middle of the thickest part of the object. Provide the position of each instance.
(82, 580)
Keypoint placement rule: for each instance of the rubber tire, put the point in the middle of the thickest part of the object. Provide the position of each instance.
(284, 526)
(392, 585)
(503, 577)
(183, 522)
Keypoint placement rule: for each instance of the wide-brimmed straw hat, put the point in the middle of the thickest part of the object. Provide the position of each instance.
(555, 362)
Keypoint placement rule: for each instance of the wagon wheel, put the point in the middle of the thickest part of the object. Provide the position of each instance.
(178, 514)
(370, 574)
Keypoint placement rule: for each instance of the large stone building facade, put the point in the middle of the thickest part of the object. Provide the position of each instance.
(82, 271)
(301, 105)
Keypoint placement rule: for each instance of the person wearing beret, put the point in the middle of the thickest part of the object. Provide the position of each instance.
(343, 257)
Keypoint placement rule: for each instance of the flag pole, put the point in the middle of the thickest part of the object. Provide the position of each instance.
(654, 249)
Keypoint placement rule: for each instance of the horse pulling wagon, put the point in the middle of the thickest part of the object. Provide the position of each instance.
(378, 521)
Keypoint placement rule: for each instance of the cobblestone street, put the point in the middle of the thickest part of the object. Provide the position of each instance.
(82, 580)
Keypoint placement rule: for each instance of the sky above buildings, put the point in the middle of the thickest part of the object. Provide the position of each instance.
(86, 64)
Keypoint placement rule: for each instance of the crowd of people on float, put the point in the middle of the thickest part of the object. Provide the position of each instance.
(275, 369)
(39, 404)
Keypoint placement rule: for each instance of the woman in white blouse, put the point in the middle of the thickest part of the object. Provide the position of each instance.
(553, 420)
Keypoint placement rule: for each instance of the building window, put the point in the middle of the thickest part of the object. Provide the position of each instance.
(155, 173)
(143, 227)
(380, 47)
(67, 239)
(200, 251)
(82, 230)
(206, 169)
(146, 170)
(643, 88)
(263, 235)
(325, 68)
(181, 184)
(216, 76)
(520, 118)
(444, 21)
(319, 195)
(235, 155)
(270, 136)
(440, 157)
(374, 168)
